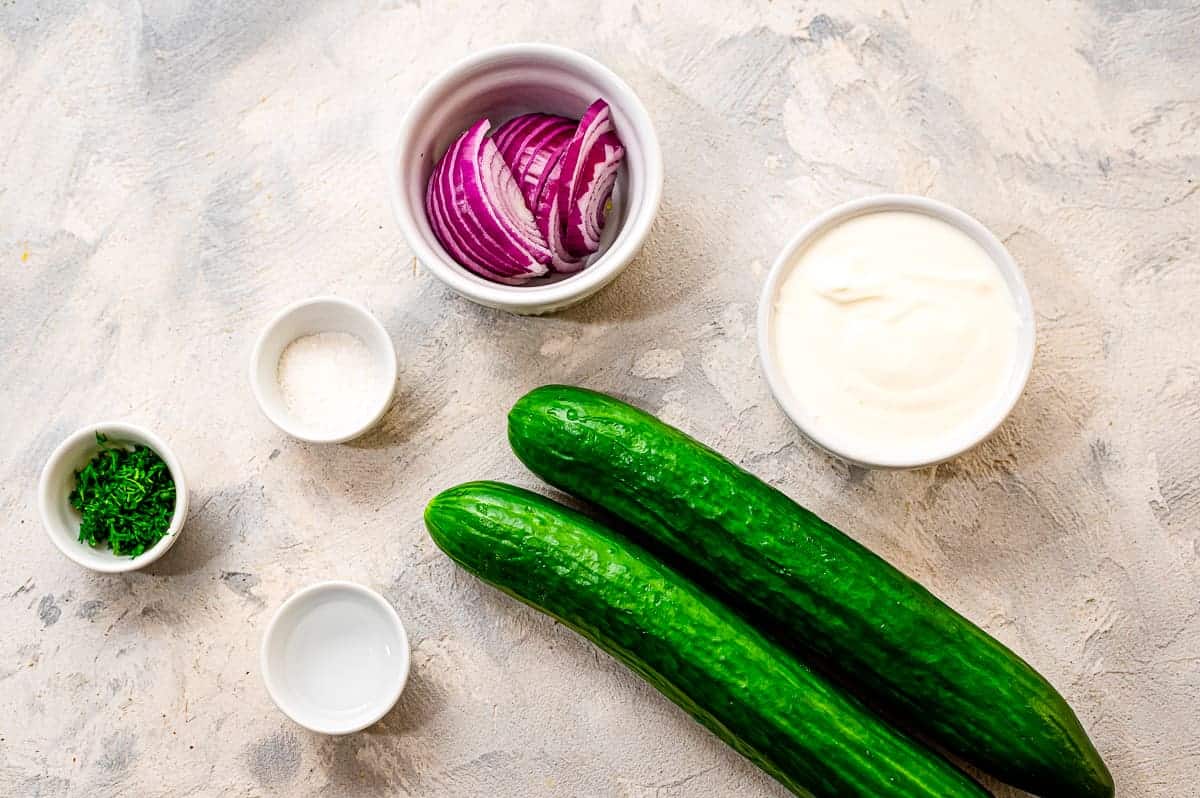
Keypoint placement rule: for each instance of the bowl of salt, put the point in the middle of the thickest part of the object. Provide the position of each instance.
(324, 370)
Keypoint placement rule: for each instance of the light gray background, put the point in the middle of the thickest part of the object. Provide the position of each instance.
(174, 172)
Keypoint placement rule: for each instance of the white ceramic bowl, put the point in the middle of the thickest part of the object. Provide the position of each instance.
(335, 657)
(58, 480)
(502, 83)
(309, 317)
(988, 420)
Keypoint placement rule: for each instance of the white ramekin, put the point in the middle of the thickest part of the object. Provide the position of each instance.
(58, 480)
(501, 83)
(333, 615)
(971, 435)
(309, 317)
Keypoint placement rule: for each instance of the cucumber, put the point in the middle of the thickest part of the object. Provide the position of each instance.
(752, 694)
(806, 583)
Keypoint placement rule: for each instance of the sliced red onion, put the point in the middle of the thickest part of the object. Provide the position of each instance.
(457, 237)
(459, 212)
(550, 222)
(511, 132)
(596, 121)
(586, 214)
(457, 228)
(478, 213)
(530, 144)
(533, 145)
(493, 197)
(515, 137)
(531, 197)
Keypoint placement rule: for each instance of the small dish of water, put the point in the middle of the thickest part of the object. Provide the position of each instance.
(335, 657)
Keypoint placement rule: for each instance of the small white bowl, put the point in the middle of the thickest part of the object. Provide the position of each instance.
(335, 657)
(501, 83)
(309, 317)
(986, 423)
(61, 520)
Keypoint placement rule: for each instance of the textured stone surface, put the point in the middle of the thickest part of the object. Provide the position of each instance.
(174, 171)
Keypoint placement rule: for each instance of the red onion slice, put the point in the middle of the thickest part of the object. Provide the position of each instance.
(459, 231)
(524, 134)
(550, 222)
(457, 209)
(596, 121)
(494, 199)
(457, 237)
(508, 135)
(529, 145)
(586, 214)
(478, 213)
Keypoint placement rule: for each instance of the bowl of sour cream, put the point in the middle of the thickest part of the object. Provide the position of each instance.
(896, 331)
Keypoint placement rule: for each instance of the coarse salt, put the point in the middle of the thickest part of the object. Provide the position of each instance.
(329, 381)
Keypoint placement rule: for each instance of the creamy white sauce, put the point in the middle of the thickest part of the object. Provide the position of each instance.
(893, 331)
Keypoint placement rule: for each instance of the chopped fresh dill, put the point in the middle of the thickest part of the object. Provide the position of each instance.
(126, 498)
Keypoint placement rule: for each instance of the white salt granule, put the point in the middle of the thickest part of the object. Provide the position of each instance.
(329, 381)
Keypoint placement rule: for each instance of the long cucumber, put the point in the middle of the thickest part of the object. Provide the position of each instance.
(803, 580)
(752, 694)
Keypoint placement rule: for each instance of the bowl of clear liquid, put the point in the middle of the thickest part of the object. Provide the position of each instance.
(335, 657)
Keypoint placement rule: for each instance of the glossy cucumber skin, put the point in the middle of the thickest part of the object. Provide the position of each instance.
(828, 597)
(752, 694)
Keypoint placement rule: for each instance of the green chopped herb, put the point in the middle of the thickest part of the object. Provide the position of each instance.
(126, 498)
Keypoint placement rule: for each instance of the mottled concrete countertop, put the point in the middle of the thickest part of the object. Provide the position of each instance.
(174, 171)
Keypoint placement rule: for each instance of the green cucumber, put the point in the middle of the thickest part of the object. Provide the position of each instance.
(805, 582)
(752, 694)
